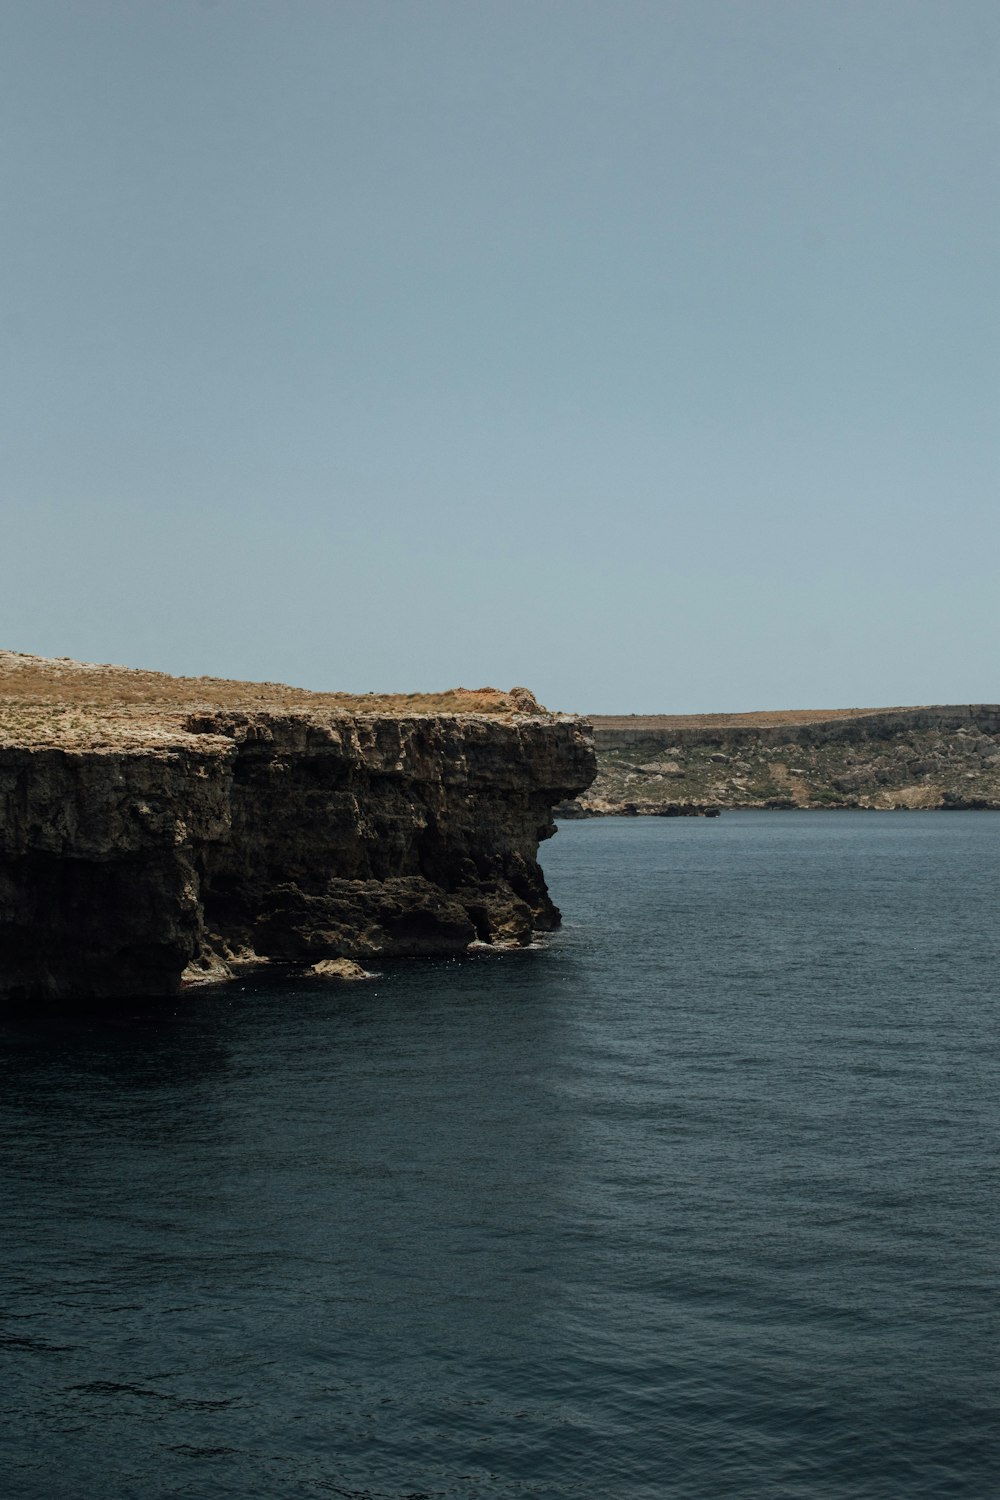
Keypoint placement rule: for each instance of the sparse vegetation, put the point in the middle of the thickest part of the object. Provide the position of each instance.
(59, 702)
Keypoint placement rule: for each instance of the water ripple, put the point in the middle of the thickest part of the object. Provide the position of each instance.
(696, 1199)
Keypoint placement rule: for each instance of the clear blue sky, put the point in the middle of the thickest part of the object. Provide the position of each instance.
(644, 353)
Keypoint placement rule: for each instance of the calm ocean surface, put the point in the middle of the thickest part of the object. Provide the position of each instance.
(699, 1199)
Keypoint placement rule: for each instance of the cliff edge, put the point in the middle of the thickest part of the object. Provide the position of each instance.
(155, 829)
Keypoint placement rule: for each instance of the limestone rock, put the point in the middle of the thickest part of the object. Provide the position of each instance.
(339, 968)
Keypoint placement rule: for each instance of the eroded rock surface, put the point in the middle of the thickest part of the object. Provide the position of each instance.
(340, 969)
(153, 827)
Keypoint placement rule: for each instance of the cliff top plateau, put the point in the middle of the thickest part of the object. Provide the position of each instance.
(60, 703)
(770, 718)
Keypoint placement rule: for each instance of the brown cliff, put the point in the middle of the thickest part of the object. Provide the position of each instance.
(153, 827)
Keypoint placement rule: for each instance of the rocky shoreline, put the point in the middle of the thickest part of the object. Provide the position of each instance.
(155, 830)
(945, 757)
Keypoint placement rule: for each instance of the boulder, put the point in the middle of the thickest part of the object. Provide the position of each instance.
(339, 968)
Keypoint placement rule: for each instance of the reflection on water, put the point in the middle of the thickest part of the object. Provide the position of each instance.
(694, 1199)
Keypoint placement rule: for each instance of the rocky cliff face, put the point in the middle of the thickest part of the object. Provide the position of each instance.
(934, 757)
(145, 840)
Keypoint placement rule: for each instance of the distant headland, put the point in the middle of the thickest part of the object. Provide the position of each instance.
(881, 758)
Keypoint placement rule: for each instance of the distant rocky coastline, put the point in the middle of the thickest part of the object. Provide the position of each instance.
(156, 830)
(945, 757)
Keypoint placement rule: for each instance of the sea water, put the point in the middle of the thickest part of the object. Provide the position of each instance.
(697, 1199)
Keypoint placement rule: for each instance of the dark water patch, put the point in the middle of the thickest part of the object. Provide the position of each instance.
(698, 1199)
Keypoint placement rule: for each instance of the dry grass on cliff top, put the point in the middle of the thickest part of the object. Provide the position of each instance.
(56, 701)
